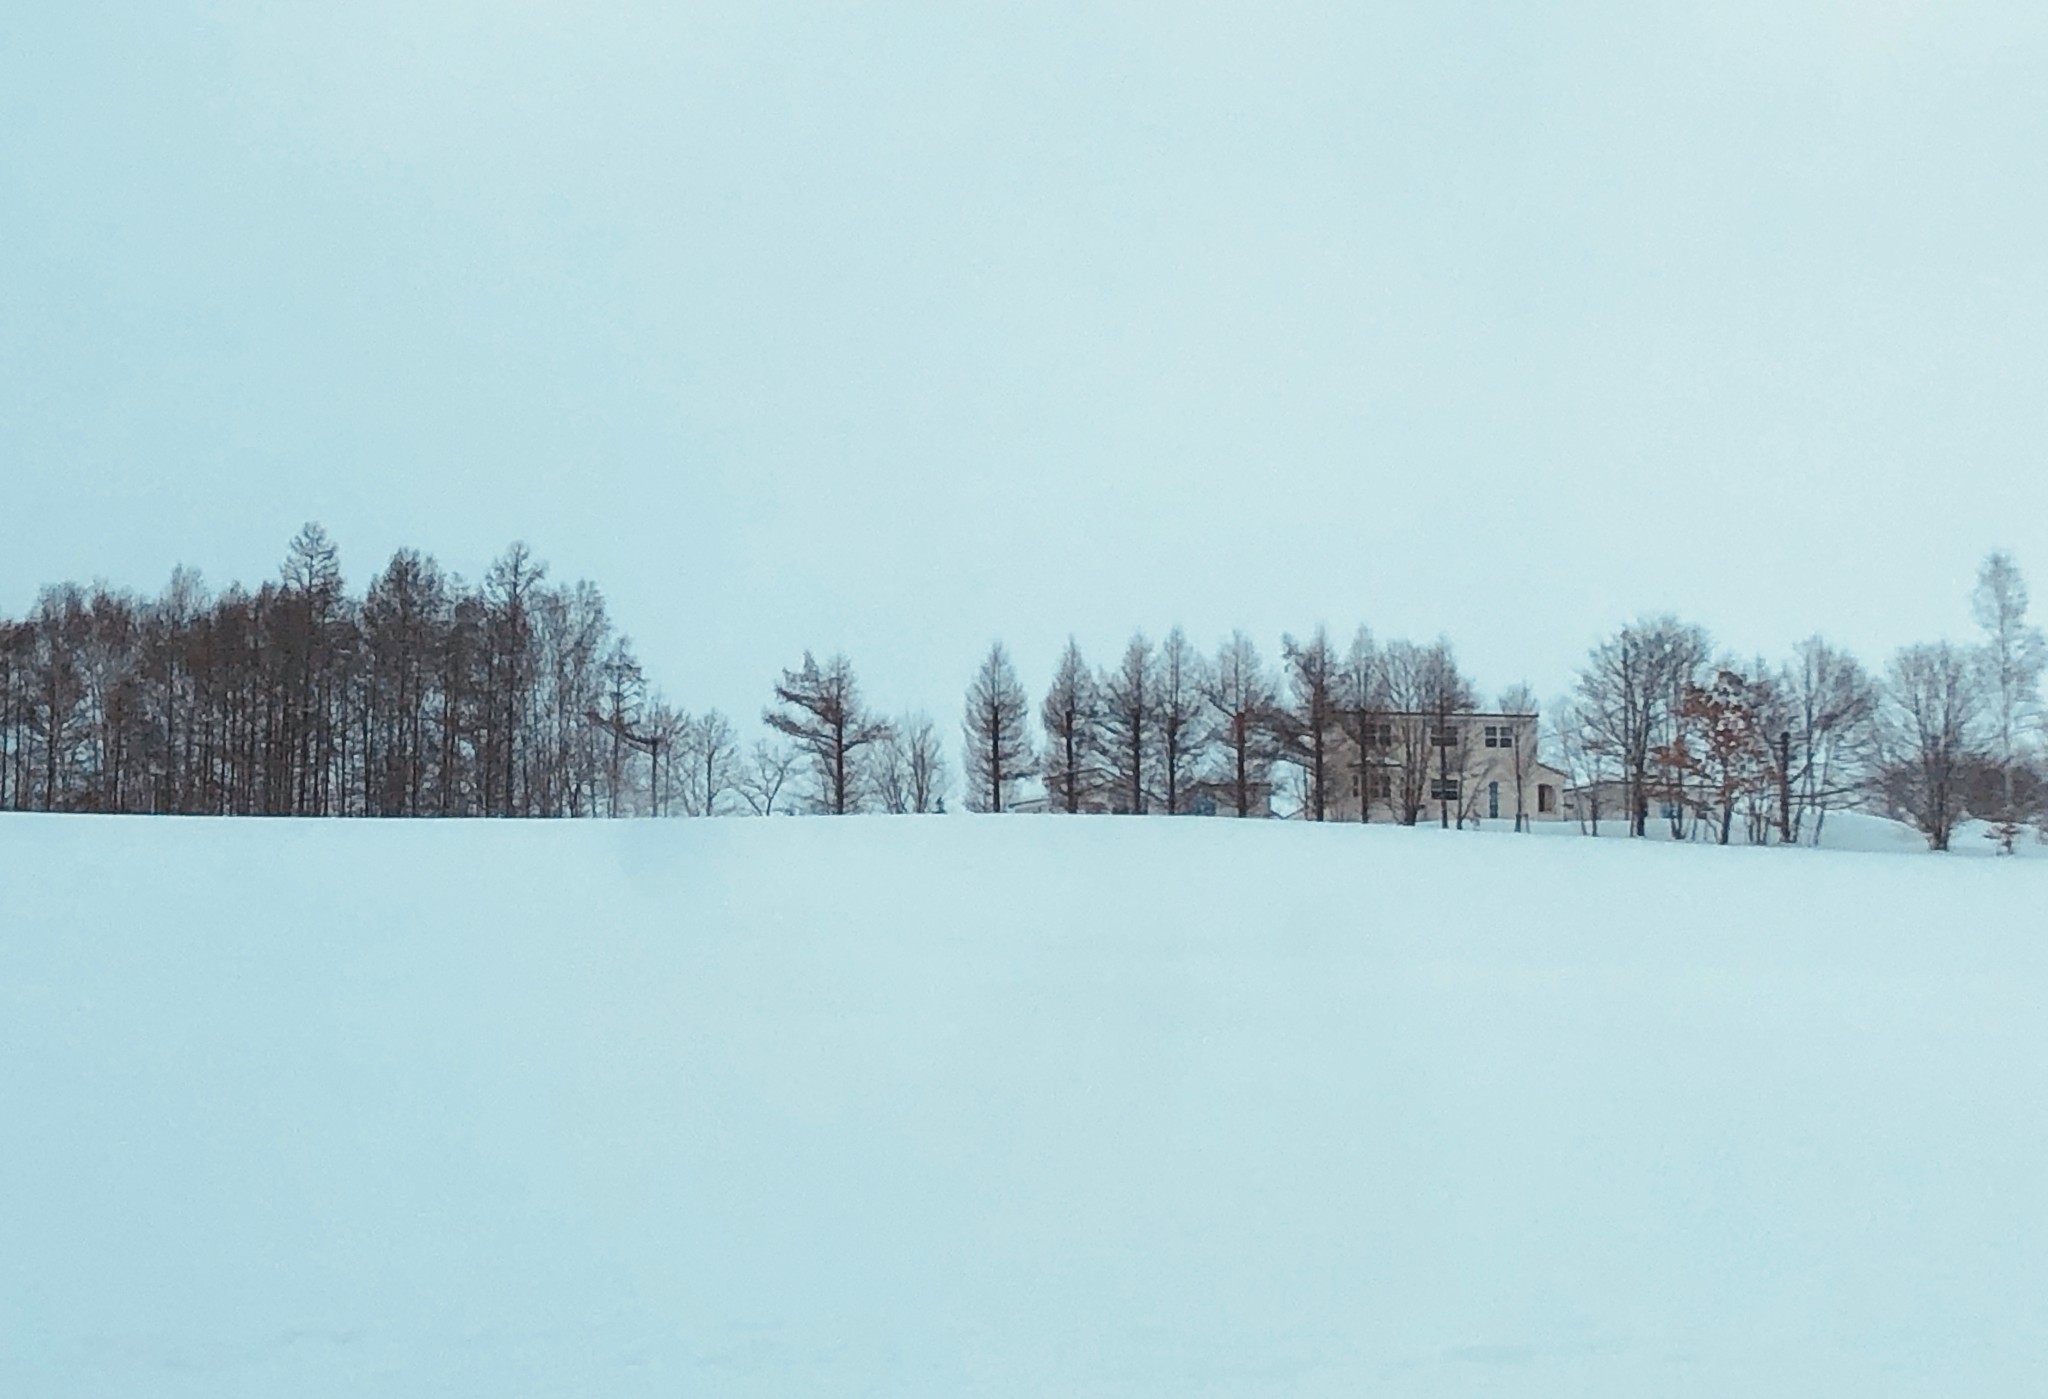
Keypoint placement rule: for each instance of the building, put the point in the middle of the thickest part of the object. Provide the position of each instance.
(1607, 802)
(1205, 798)
(1471, 767)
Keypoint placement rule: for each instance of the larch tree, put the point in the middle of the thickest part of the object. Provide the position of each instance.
(510, 588)
(1308, 723)
(819, 709)
(1130, 712)
(625, 694)
(304, 617)
(1362, 698)
(403, 612)
(1241, 701)
(1183, 737)
(58, 627)
(997, 751)
(1071, 717)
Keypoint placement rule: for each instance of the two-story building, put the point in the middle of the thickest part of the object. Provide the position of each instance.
(1470, 767)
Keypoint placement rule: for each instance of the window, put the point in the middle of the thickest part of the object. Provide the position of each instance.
(1381, 785)
(1447, 789)
(1500, 735)
(1444, 736)
(1493, 801)
(1354, 784)
(1379, 735)
(1546, 799)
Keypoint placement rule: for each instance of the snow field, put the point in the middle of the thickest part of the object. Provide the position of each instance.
(1011, 1106)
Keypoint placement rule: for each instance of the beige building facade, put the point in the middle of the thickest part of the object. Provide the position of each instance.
(1471, 768)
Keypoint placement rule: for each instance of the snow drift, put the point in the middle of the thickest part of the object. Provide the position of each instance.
(1011, 1107)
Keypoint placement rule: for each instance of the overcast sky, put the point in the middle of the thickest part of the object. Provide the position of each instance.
(898, 328)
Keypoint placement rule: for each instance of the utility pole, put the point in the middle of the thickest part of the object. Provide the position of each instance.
(1785, 786)
(648, 743)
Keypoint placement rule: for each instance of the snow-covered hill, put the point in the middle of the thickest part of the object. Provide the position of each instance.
(1011, 1107)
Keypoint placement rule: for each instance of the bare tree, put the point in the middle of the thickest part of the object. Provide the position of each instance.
(1308, 724)
(664, 734)
(1767, 796)
(1518, 703)
(510, 588)
(1183, 739)
(1586, 772)
(625, 691)
(925, 764)
(908, 768)
(1447, 697)
(1722, 741)
(1831, 709)
(405, 607)
(710, 751)
(997, 752)
(1929, 721)
(765, 774)
(1241, 702)
(819, 709)
(1362, 698)
(1130, 707)
(307, 611)
(1072, 719)
(1629, 693)
(1404, 734)
(888, 773)
(2013, 659)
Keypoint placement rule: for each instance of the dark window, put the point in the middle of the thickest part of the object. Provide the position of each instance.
(1493, 801)
(1381, 784)
(1500, 735)
(1445, 736)
(1447, 789)
(1546, 798)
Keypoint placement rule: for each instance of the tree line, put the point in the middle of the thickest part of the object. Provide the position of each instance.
(1947, 732)
(1658, 725)
(431, 696)
(1168, 729)
(425, 696)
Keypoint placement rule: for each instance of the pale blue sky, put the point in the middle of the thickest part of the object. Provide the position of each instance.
(894, 329)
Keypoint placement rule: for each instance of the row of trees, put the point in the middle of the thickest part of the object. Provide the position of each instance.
(1167, 729)
(1657, 723)
(1947, 731)
(428, 695)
